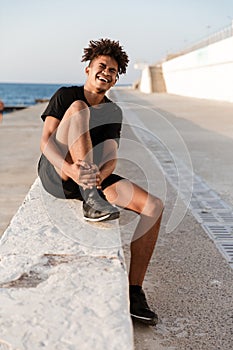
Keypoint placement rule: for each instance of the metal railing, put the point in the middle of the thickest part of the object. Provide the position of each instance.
(222, 34)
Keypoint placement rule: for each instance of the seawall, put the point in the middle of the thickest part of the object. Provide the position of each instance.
(204, 73)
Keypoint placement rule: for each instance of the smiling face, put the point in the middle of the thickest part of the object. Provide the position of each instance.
(101, 73)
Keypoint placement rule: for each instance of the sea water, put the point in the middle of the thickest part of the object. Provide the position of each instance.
(19, 94)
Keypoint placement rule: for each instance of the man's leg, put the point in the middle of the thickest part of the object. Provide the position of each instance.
(73, 135)
(73, 138)
(150, 208)
(130, 196)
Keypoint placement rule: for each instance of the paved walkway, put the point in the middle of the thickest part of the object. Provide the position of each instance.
(189, 282)
(206, 127)
(19, 146)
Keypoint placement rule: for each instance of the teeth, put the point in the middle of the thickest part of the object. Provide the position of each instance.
(105, 80)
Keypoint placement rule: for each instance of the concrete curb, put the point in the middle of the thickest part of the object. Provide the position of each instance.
(63, 282)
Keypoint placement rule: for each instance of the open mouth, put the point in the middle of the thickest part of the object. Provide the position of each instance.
(105, 80)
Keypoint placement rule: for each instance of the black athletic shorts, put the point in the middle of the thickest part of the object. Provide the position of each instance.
(69, 189)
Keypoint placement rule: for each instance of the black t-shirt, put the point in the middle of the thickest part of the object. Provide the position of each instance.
(105, 121)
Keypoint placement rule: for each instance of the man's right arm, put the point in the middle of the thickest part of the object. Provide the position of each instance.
(78, 171)
(48, 145)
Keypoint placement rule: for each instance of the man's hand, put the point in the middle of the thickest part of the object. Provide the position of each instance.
(84, 174)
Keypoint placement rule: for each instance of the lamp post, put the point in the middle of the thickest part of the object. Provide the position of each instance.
(208, 34)
(231, 19)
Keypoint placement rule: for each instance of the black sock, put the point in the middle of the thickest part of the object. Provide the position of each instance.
(134, 288)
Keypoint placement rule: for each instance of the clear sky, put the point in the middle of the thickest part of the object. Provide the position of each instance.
(42, 40)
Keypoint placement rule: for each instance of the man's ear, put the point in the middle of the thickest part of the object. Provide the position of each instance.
(87, 70)
(116, 79)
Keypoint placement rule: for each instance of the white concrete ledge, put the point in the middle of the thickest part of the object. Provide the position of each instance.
(63, 281)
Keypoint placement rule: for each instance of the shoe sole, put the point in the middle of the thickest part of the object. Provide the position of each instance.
(145, 320)
(103, 218)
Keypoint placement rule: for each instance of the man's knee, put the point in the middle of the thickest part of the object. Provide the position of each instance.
(78, 106)
(155, 206)
(77, 112)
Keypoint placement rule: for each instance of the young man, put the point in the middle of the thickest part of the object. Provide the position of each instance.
(79, 153)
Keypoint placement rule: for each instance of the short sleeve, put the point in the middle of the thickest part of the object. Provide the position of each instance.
(112, 131)
(114, 128)
(58, 104)
(106, 123)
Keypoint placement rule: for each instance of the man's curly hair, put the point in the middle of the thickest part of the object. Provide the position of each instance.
(107, 47)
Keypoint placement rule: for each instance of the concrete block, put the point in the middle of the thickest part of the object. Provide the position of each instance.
(63, 281)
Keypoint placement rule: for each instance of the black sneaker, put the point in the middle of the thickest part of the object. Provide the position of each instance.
(139, 308)
(97, 208)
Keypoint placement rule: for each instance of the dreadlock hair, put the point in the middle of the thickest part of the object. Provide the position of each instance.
(107, 47)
